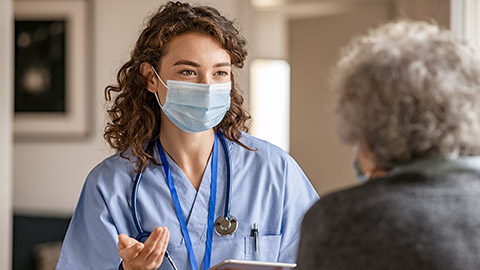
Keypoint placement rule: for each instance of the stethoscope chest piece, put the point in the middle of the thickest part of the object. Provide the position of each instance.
(226, 225)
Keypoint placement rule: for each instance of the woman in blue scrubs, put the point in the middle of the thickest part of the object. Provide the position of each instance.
(179, 128)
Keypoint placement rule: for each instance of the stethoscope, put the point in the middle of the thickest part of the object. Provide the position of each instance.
(224, 225)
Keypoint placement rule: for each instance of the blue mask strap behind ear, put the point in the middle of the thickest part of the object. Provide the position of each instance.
(356, 166)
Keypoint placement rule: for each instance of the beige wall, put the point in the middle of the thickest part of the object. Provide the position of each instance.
(314, 45)
(6, 63)
(429, 10)
(48, 175)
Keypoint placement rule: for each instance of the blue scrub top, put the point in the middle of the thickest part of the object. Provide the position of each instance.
(268, 188)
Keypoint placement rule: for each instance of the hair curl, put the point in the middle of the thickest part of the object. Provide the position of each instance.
(135, 114)
(410, 90)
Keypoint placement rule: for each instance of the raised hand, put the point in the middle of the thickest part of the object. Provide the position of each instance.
(143, 256)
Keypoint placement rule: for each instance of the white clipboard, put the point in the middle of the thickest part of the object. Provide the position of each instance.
(252, 265)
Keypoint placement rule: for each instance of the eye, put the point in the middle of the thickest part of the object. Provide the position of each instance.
(221, 73)
(188, 72)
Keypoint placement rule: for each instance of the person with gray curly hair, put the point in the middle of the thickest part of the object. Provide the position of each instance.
(409, 104)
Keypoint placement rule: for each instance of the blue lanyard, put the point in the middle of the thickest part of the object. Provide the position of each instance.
(178, 208)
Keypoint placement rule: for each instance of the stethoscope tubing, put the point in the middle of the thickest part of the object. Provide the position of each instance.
(229, 188)
(138, 179)
(139, 176)
(136, 220)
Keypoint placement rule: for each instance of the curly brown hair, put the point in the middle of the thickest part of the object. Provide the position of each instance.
(135, 115)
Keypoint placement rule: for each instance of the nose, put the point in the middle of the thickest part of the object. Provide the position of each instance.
(205, 79)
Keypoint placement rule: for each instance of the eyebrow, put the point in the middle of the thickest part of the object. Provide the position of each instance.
(193, 64)
(223, 64)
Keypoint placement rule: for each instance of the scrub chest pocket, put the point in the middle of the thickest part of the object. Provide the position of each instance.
(236, 247)
(243, 248)
(268, 248)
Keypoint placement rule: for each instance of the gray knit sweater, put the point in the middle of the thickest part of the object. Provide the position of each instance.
(405, 221)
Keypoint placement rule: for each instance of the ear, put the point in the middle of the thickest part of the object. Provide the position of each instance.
(147, 72)
(365, 158)
(367, 161)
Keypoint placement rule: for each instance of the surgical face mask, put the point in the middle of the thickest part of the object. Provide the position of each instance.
(195, 107)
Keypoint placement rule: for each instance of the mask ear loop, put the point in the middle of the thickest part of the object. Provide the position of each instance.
(158, 100)
(156, 94)
(158, 76)
(367, 174)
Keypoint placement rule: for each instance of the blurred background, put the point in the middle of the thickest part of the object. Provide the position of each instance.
(45, 156)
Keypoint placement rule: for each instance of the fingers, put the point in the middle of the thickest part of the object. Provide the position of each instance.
(144, 256)
(164, 242)
(128, 248)
(158, 253)
(154, 250)
(123, 241)
(151, 243)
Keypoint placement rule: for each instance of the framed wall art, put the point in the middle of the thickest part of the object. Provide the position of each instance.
(50, 85)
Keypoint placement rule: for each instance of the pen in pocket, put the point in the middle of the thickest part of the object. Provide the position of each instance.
(255, 235)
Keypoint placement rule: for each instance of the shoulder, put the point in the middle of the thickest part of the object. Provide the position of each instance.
(262, 149)
(350, 210)
(274, 167)
(387, 195)
(355, 197)
(111, 170)
(266, 156)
